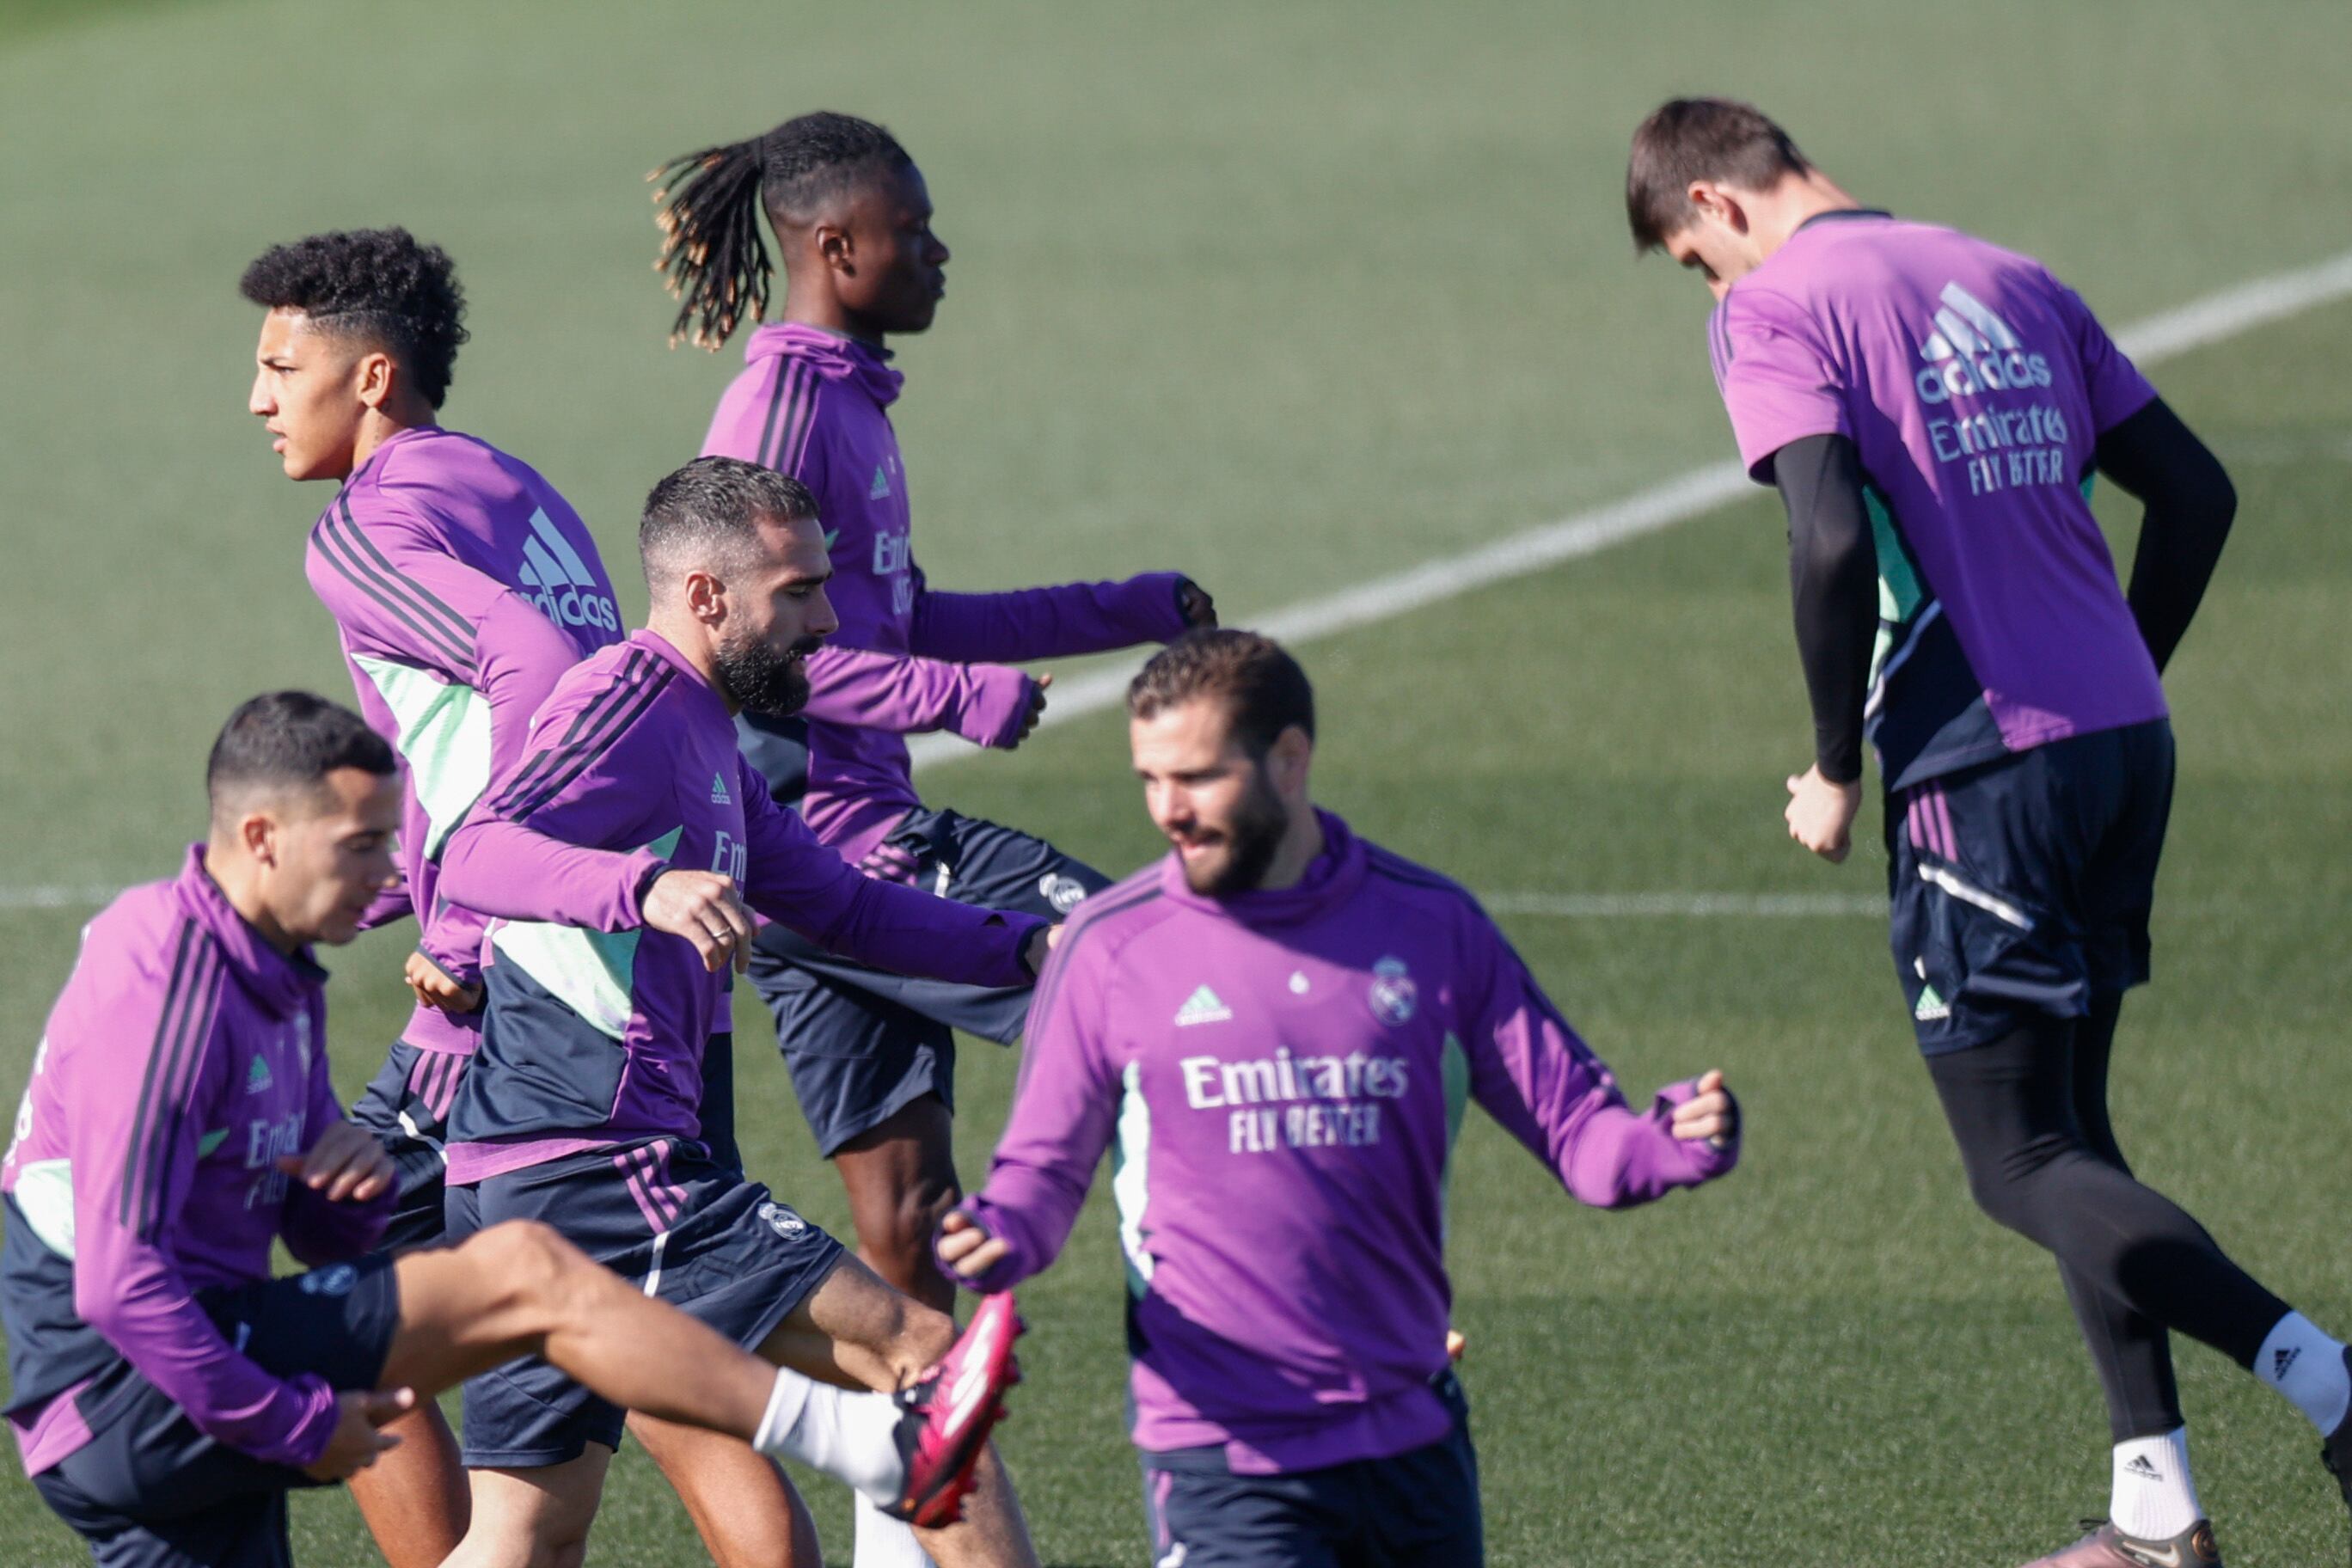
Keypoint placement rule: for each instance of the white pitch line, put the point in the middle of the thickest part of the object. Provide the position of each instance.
(90, 897)
(2197, 324)
(1629, 906)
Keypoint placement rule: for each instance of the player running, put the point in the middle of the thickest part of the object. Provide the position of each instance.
(1278, 1027)
(619, 853)
(1932, 408)
(165, 1391)
(462, 585)
(872, 1055)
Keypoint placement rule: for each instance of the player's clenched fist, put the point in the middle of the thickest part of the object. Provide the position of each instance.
(967, 1247)
(1194, 603)
(433, 987)
(346, 1165)
(1710, 1113)
(1821, 814)
(704, 908)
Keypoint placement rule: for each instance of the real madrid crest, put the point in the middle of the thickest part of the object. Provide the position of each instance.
(1393, 995)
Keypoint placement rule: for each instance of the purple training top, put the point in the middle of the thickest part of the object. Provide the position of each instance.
(461, 586)
(183, 1056)
(1975, 387)
(813, 405)
(1280, 1078)
(633, 770)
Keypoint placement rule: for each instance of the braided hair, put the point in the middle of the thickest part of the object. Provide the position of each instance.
(714, 259)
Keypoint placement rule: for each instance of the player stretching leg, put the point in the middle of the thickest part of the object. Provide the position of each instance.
(614, 852)
(462, 584)
(1932, 409)
(1278, 1025)
(166, 1392)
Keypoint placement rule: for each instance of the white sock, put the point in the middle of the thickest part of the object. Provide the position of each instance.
(2308, 1368)
(2154, 1498)
(849, 1437)
(884, 1541)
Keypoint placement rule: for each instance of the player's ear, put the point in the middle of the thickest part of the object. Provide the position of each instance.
(373, 375)
(835, 243)
(1714, 201)
(1287, 758)
(705, 597)
(257, 834)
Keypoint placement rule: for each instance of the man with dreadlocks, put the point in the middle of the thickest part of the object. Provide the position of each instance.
(872, 1055)
(462, 586)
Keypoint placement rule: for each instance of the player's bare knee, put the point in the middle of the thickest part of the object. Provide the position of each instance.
(539, 1273)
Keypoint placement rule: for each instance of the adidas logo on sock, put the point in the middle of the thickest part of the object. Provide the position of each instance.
(2282, 1358)
(1202, 1007)
(2141, 1469)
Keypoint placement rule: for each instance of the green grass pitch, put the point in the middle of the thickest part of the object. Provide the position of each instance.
(1289, 297)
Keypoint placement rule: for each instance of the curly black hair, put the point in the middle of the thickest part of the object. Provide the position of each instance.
(380, 284)
(709, 205)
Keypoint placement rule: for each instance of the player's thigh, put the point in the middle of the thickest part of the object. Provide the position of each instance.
(1002, 867)
(537, 1517)
(900, 1174)
(1421, 1508)
(469, 1307)
(745, 1509)
(855, 1330)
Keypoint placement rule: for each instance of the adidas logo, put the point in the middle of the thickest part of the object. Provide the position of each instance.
(2282, 1359)
(1972, 351)
(830, 535)
(257, 1077)
(718, 795)
(568, 592)
(2140, 1469)
(1202, 1007)
(881, 485)
(1931, 1006)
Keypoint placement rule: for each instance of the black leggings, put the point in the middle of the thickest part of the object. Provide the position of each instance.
(2030, 1111)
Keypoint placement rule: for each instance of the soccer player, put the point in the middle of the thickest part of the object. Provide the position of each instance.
(618, 854)
(165, 1391)
(1932, 409)
(872, 1055)
(1278, 1025)
(462, 585)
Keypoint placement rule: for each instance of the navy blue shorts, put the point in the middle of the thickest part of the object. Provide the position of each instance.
(2021, 887)
(1416, 1509)
(861, 1044)
(149, 1491)
(406, 1105)
(696, 1234)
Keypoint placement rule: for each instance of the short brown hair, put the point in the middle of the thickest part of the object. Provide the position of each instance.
(1262, 684)
(1688, 139)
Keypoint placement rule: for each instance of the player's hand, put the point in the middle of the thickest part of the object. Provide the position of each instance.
(357, 1443)
(1455, 1345)
(1711, 1113)
(1041, 943)
(704, 908)
(1037, 684)
(967, 1247)
(346, 1165)
(1192, 603)
(436, 989)
(1821, 814)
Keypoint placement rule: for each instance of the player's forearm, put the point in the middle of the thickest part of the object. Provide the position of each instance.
(1049, 623)
(504, 869)
(1834, 585)
(133, 1297)
(2190, 506)
(906, 932)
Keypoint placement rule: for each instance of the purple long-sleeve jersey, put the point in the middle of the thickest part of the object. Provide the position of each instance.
(633, 770)
(815, 404)
(1280, 1077)
(462, 585)
(185, 1056)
